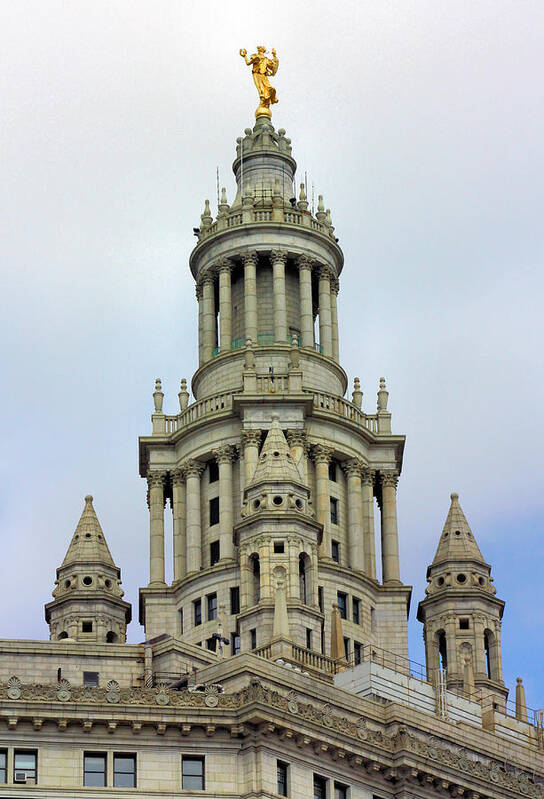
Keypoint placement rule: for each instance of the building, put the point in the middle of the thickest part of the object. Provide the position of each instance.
(276, 662)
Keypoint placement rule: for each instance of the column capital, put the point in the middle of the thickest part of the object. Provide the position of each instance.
(305, 262)
(367, 475)
(250, 258)
(208, 276)
(324, 271)
(225, 454)
(389, 477)
(198, 289)
(297, 438)
(156, 479)
(223, 266)
(352, 467)
(178, 476)
(192, 468)
(278, 256)
(335, 285)
(321, 453)
(251, 437)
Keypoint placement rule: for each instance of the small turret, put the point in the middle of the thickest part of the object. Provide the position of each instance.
(88, 604)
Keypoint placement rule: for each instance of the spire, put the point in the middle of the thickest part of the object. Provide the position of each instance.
(88, 544)
(457, 541)
(275, 461)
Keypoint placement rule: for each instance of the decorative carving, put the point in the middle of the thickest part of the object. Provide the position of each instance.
(367, 476)
(14, 688)
(211, 695)
(162, 696)
(225, 454)
(352, 467)
(278, 256)
(177, 476)
(250, 258)
(321, 453)
(251, 438)
(156, 479)
(192, 468)
(224, 266)
(113, 692)
(64, 693)
(305, 262)
(389, 478)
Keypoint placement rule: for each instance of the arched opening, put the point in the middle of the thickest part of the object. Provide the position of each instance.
(305, 578)
(255, 570)
(62, 636)
(111, 637)
(489, 654)
(442, 650)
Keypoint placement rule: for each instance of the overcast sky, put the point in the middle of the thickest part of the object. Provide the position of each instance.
(422, 124)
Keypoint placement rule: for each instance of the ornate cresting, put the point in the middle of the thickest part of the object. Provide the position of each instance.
(262, 67)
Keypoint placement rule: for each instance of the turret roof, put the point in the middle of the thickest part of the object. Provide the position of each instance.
(457, 541)
(88, 543)
(275, 461)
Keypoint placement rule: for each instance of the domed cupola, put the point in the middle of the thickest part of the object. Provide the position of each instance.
(88, 604)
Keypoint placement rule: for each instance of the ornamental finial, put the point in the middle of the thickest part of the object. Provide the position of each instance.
(262, 67)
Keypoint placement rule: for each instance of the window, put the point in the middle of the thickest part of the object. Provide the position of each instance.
(124, 771)
(357, 653)
(235, 643)
(234, 600)
(86, 626)
(3, 766)
(373, 620)
(213, 472)
(279, 548)
(335, 551)
(334, 510)
(180, 617)
(211, 601)
(323, 638)
(442, 650)
(308, 638)
(214, 553)
(197, 612)
(332, 471)
(282, 777)
(464, 624)
(211, 644)
(320, 598)
(342, 604)
(90, 678)
(214, 511)
(192, 773)
(356, 606)
(340, 791)
(25, 762)
(320, 787)
(94, 769)
(253, 638)
(346, 647)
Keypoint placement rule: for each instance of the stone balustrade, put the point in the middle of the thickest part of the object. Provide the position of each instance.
(258, 215)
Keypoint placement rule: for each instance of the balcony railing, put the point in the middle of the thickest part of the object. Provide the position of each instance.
(255, 214)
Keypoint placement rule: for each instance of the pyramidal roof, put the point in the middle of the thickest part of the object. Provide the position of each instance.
(275, 461)
(88, 543)
(457, 541)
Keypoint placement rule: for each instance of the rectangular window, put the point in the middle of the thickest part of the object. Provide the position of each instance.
(192, 773)
(308, 638)
(464, 624)
(180, 617)
(253, 638)
(340, 791)
(124, 771)
(25, 768)
(214, 553)
(322, 638)
(90, 678)
(320, 598)
(373, 620)
(357, 653)
(3, 766)
(211, 644)
(211, 601)
(282, 769)
(94, 769)
(356, 606)
(335, 551)
(346, 647)
(235, 643)
(320, 787)
(197, 612)
(334, 510)
(214, 511)
(279, 547)
(234, 600)
(213, 472)
(332, 471)
(86, 626)
(342, 604)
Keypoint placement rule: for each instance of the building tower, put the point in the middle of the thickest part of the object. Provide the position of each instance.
(267, 278)
(461, 615)
(88, 604)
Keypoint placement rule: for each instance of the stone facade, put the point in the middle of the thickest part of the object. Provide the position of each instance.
(276, 662)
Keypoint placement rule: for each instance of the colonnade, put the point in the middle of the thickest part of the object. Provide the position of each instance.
(219, 277)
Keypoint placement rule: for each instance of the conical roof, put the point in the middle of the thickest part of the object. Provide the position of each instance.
(275, 461)
(457, 541)
(88, 544)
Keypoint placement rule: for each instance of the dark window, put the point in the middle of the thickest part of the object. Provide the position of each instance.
(334, 510)
(86, 626)
(342, 604)
(197, 611)
(464, 624)
(234, 600)
(192, 773)
(335, 551)
(124, 771)
(94, 769)
(3, 766)
(253, 638)
(320, 598)
(214, 553)
(90, 678)
(332, 471)
(346, 647)
(442, 650)
(282, 777)
(320, 787)
(25, 762)
(322, 638)
(357, 653)
(213, 472)
(308, 638)
(235, 643)
(340, 791)
(373, 620)
(180, 617)
(356, 605)
(487, 654)
(211, 644)
(211, 600)
(214, 511)
(279, 547)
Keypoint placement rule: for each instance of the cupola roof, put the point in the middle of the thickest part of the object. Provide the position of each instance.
(88, 544)
(276, 463)
(457, 541)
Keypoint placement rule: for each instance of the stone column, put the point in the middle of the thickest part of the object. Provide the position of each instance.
(250, 442)
(390, 537)
(294, 581)
(279, 259)
(322, 456)
(192, 470)
(264, 545)
(479, 622)
(225, 456)
(155, 482)
(225, 305)
(208, 316)
(451, 645)
(325, 325)
(179, 525)
(335, 287)
(250, 296)
(368, 522)
(199, 294)
(306, 307)
(244, 578)
(352, 469)
(298, 444)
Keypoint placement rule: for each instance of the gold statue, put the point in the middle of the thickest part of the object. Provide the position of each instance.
(262, 67)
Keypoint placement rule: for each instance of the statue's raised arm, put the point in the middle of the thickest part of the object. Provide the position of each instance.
(262, 67)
